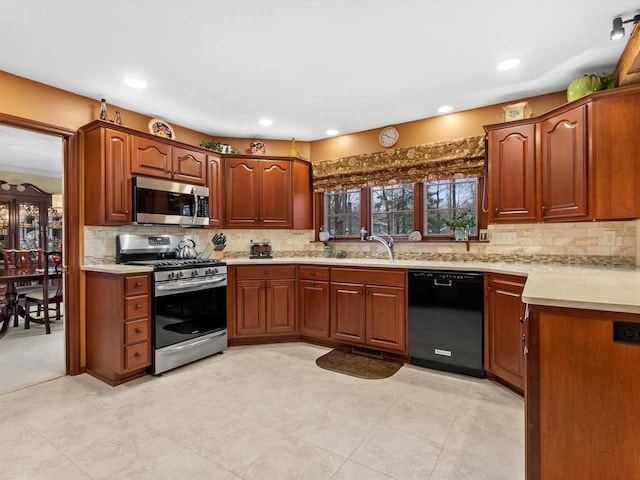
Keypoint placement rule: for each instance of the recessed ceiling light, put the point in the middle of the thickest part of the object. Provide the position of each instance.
(508, 64)
(135, 83)
(332, 132)
(445, 109)
(265, 122)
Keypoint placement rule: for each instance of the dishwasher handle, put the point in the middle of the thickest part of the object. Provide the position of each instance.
(449, 283)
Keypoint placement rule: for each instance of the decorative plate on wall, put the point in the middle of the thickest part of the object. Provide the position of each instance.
(160, 128)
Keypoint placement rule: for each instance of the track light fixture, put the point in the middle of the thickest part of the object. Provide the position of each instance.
(618, 30)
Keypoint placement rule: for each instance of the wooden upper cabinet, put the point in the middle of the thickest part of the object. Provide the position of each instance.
(214, 182)
(512, 174)
(189, 166)
(563, 165)
(162, 160)
(107, 167)
(258, 192)
(150, 157)
(241, 192)
(275, 193)
(615, 142)
(581, 157)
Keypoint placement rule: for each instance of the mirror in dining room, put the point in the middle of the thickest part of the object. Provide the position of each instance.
(31, 217)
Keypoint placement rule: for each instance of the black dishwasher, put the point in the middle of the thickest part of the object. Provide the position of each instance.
(446, 311)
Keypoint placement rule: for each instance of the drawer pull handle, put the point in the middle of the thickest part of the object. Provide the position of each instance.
(138, 330)
(138, 306)
(313, 273)
(138, 284)
(137, 354)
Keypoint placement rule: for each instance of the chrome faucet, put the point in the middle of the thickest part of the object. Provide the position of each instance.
(387, 244)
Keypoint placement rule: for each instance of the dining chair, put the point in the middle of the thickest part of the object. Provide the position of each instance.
(23, 260)
(55, 293)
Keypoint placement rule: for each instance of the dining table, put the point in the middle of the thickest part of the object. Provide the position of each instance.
(11, 277)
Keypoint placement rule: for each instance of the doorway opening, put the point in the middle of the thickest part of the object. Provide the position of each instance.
(31, 217)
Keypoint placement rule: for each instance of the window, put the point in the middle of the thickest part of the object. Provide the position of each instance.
(392, 209)
(443, 198)
(342, 210)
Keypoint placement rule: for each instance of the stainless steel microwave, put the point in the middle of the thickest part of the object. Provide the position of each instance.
(157, 201)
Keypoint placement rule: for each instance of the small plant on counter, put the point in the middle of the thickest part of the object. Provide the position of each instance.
(461, 222)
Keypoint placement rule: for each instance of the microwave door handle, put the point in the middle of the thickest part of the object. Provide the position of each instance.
(194, 192)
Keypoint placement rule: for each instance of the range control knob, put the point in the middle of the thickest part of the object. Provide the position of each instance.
(194, 273)
(180, 274)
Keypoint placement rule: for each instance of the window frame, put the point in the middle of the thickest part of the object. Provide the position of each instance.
(418, 214)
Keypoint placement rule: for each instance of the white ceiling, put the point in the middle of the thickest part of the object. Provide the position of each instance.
(218, 66)
(24, 151)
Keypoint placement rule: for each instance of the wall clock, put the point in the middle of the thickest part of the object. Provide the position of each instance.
(388, 136)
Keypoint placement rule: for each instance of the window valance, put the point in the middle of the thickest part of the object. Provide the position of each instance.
(459, 158)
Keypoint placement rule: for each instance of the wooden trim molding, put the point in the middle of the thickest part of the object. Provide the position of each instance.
(72, 239)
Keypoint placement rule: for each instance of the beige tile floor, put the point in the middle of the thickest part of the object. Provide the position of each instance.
(28, 357)
(264, 412)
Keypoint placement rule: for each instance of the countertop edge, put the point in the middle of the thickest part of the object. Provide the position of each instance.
(116, 268)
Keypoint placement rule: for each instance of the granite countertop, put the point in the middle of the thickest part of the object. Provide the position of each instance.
(117, 268)
(613, 289)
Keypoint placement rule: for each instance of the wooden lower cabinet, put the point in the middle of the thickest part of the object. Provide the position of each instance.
(368, 313)
(504, 328)
(313, 301)
(265, 300)
(118, 325)
(582, 391)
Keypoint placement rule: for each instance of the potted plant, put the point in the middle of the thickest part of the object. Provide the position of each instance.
(461, 222)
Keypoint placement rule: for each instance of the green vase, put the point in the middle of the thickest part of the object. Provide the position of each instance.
(582, 86)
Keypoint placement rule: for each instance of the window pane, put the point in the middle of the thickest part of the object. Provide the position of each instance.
(392, 209)
(342, 212)
(437, 195)
(445, 198)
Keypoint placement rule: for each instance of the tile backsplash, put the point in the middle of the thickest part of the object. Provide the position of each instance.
(590, 243)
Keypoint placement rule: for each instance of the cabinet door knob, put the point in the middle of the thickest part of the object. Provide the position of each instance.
(137, 354)
(495, 210)
(138, 306)
(544, 209)
(524, 339)
(138, 284)
(522, 319)
(138, 330)
(313, 273)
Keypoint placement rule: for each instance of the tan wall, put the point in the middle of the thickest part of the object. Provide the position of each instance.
(36, 101)
(437, 129)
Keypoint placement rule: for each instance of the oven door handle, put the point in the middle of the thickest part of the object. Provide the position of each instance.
(188, 285)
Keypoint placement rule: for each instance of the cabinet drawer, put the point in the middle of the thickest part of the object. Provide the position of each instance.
(137, 356)
(313, 273)
(391, 278)
(266, 271)
(136, 285)
(137, 307)
(136, 331)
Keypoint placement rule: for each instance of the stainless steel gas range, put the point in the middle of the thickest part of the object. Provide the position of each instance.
(189, 301)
